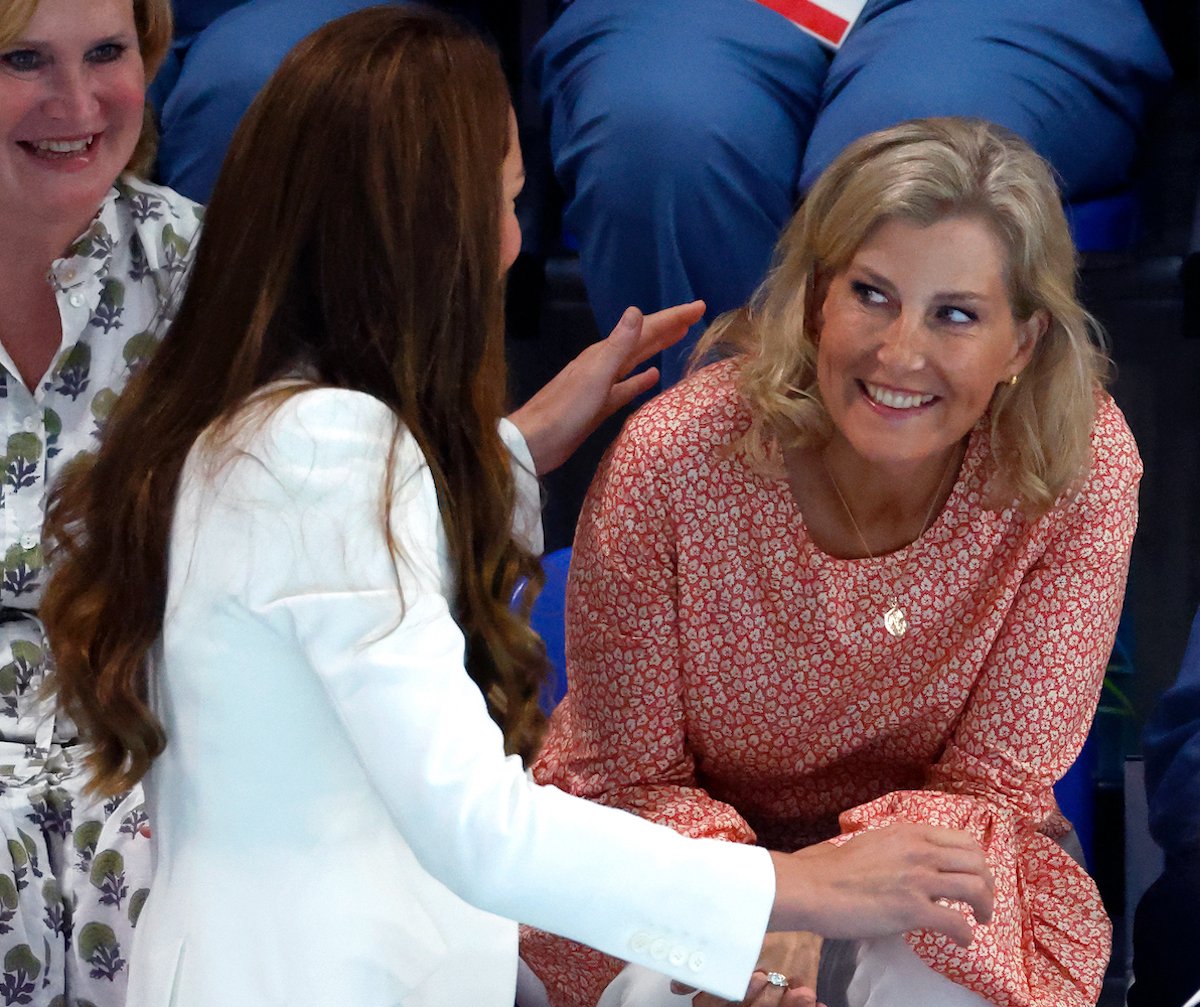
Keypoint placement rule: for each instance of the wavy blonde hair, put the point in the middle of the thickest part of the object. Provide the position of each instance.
(154, 29)
(924, 171)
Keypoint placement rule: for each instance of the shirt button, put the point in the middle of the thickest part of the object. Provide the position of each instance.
(29, 541)
(30, 424)
(658, 950)
(639, 942)
(76, 300)
(696, 962)
(678, 955)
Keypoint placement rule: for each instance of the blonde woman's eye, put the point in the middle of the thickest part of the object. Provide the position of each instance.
(868, 294)
(957, 316)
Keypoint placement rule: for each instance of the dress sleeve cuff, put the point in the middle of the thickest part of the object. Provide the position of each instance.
(1049, 939)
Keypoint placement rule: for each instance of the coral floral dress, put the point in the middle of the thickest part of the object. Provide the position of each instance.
(731, 680)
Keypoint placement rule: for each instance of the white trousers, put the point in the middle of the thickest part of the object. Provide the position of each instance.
(889, 974)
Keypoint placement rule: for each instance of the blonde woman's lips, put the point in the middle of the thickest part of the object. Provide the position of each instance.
(895, 398)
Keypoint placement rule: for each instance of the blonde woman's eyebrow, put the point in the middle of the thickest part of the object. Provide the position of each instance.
(872, 277)
(959, 295)
(881, 281)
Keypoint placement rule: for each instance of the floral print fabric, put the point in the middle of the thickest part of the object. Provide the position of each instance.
(731, 680)
(74, 870)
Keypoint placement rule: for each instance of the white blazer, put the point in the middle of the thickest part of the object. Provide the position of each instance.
(335, 821)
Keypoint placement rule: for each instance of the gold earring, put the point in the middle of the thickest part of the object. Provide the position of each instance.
(1013, 380)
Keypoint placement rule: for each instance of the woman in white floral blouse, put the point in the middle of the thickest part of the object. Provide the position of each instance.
(90, 259)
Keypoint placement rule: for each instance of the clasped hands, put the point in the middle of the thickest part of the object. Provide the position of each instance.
(795, 955)
(598, 382)
(874, 884)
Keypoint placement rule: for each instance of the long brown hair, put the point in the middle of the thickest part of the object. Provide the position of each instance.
(354, 231)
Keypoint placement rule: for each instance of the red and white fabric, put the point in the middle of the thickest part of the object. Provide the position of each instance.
(829, 21)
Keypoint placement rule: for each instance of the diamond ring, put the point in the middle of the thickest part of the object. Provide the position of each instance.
(777, 979)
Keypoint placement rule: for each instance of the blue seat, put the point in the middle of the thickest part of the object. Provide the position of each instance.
(1076, 796)
(548, 618)
(1103, 755)
(1108, 224)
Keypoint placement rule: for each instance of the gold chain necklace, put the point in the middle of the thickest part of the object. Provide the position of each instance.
(895, 618)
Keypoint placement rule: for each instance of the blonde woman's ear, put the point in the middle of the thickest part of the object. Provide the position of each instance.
(1033, 328)
(1028, 333)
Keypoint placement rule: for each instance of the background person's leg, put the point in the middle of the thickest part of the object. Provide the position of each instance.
(1072, 78)
(1166, 934)
(676, 131)
(219, 75)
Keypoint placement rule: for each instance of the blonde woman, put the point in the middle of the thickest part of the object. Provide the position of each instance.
(868, 568)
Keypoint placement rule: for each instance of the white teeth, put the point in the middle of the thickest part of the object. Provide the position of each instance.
(64, 146)
(896, 400)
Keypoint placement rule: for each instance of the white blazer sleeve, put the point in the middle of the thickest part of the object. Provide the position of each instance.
(317, 569)
(527, 521)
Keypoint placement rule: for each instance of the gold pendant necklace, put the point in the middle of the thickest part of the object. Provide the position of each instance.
(895, 618)
(895, 621)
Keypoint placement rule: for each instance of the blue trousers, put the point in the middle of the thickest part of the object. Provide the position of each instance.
(1166, 933)
(1166, 929)
(685, 131)
(214, 73)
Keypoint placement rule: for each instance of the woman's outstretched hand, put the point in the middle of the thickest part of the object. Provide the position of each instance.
(598, 382)
(882, 882)
(875, 884)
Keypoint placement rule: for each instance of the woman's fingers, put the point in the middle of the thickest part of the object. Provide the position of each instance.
(802, 996)
(955, 860)
(963, 874)
(950, 922)
(958, 873)
(977, 892)
(760, 993)
(763, 993)
(659, 330)
(557, 419)
(624, 392)
(939, 835)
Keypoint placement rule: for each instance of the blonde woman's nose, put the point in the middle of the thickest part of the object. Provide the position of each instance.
(903, 342)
